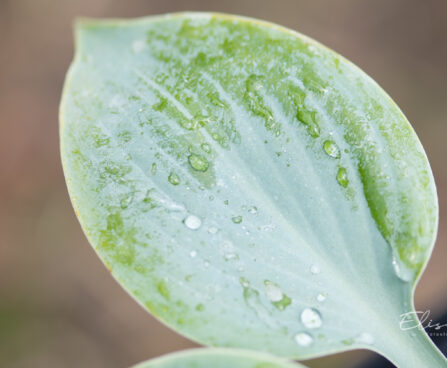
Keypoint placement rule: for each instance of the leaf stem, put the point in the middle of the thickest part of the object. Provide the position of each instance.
(411, 347)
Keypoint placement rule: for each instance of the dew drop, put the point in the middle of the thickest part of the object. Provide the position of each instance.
(126, 201)
(314, 270)
(311, 318)
(198, 163)
(331, 149)
(276, 296)
(273, 291)
(237, 219)
(230, 256)
(253, 301)
(342, 177)
(192, 222)
(154, 168)
(321, 297)
(253, 210)
(193, 254)
(206, 147)
(314, 130)
(213, 230)
(174, 179)
(304, 339)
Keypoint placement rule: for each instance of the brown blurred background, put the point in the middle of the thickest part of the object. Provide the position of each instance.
(59, 307)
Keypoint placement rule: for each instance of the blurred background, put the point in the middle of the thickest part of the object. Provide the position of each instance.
(59, 307)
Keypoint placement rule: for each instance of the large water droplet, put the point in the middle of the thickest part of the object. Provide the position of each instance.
(192, 222)
(197, 162)
(174, 179)
(311, 318)
(331, 149)
(237, 219)
(274, 293)
(342, 177)
(193, 254)
(276, 296)
(314, 270)
(304, 339)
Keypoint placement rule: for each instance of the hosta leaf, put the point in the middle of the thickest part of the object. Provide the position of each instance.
(217, 358)
(248, 186)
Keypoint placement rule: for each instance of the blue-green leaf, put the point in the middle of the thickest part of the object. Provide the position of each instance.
(248, 186)
(217, 358)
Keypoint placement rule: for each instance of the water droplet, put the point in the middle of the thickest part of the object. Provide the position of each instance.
(402, 271)
(276, 296)
(321, 297)
(174, 179)
(331, 149)
(126, 201)
(365, 338)
(206, 147)
(198, 163)
(244, 282)
(314, 130)
(253, 210)
(230, 256)
(237, 219)
(154, 168)
(192, 222)
(314, 270)
(342, 177)
(193, 254)
(311, 318)
(228, 251)
(253, 301)
(304, 339)
(213, 230)
(273, 291)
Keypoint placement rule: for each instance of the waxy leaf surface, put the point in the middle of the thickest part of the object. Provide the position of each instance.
(217, 358)
(248, 186)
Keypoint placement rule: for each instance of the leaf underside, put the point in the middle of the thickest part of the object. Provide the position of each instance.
(246, 185)
(217, 358)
